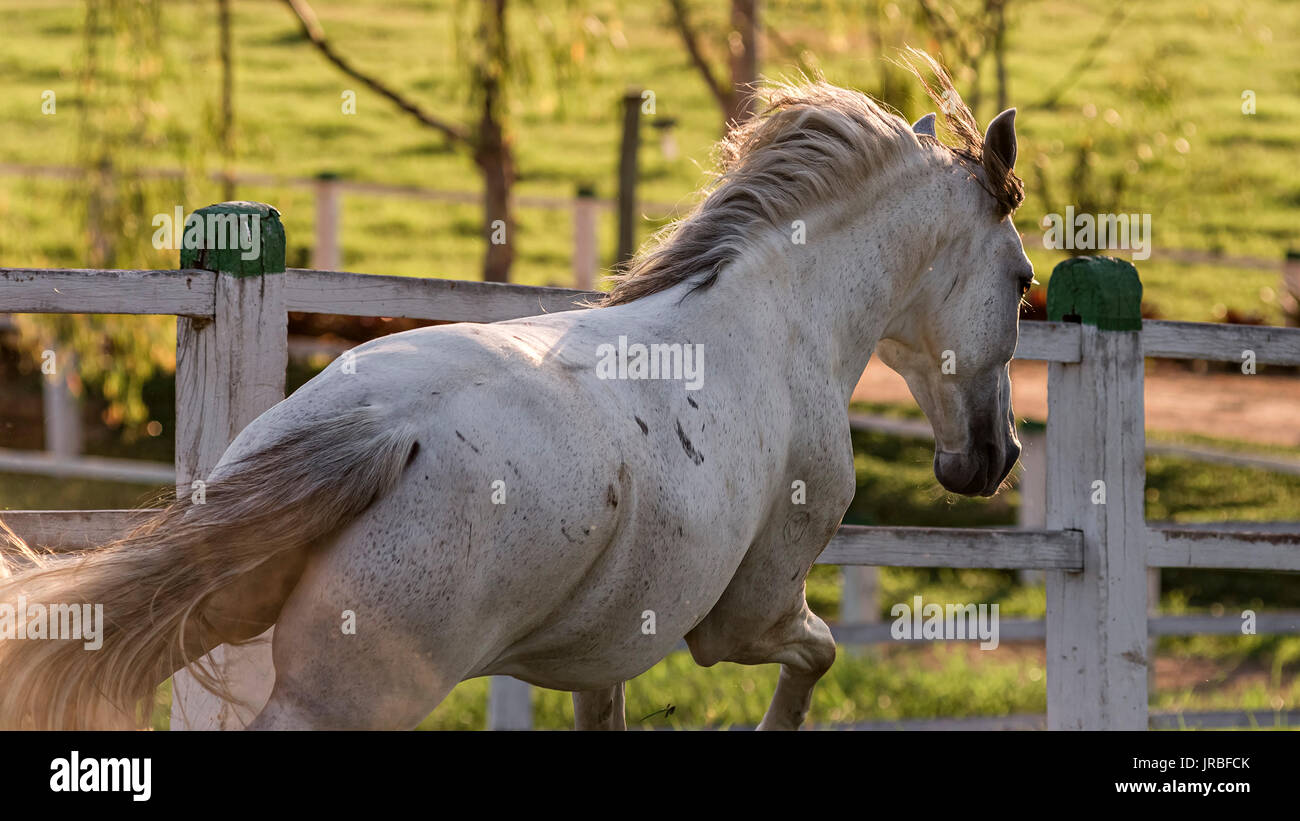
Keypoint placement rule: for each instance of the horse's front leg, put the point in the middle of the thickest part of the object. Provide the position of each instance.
(599, 709)
(803, 645)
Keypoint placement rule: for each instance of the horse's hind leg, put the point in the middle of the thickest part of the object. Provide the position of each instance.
(296, 708)
(324, 690)
(387, 674)
(599, 709)
(365, 644)
(803, 645)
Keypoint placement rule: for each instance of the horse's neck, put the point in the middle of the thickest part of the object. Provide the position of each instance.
(823, 305)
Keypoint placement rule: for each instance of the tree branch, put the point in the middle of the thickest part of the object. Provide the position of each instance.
(935, 21)
(311, 28)
(796, 52)
(692, 43)
(1087, 57)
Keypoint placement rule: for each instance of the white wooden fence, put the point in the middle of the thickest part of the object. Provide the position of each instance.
(232, 349)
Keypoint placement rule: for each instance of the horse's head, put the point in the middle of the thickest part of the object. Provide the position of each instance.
(954, 339)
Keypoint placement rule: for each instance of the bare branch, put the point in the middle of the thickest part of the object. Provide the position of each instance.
(311, 27)
(1087, 56)
(691, 40)
(937, 24)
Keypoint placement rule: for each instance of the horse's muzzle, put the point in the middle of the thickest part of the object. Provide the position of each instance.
(976, 473)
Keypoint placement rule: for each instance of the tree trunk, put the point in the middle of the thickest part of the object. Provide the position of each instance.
(492, 151)
(743, 48)
(496, 162)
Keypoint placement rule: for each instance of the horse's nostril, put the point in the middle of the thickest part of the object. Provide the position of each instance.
(1013, 456)
(959, 473)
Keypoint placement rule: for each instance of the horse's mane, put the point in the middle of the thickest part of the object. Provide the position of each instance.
(812, 143)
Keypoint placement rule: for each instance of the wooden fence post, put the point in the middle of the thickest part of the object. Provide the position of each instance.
(1096, 476)
(510, 704)
(229, 370)
(1290, 295)
(62, 409)
(584, 238)
(1033, 487)
(860, 596)
(325, 255)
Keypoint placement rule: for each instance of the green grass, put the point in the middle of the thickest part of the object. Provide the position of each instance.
(20, 491)
(1171, 72)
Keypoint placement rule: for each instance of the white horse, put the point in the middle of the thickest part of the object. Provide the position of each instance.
(486, 501)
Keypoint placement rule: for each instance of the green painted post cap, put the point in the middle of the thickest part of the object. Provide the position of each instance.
(244, 239)
(1100, 291)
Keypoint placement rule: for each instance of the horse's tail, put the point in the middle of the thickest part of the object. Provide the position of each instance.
(200, 573)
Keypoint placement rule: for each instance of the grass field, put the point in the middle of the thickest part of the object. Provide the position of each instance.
(1158, 116)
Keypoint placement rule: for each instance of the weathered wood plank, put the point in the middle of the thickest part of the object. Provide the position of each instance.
(1048, 341)
(586, 249)
(86, 467)
(859, 593)
(909, 428)
(1008, 630)
(62, 411)
(954, 547)
(72, 529)
(1220, 342)
(1096, 477)
(333, 292)
(92, 291)
(1096, 620)
(510, 704)
(1284, 622)
(228, 371)
(853, 544)
(1222, 549)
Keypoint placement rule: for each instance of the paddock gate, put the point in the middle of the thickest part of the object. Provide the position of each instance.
(1095, 550)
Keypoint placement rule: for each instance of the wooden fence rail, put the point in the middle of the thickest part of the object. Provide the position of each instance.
(329, 188)
(1094, 550)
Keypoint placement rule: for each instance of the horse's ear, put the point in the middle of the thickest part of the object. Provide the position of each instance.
(1000, 143)
(925, 125)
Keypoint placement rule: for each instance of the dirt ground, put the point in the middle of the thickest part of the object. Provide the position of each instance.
(1261, 408)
